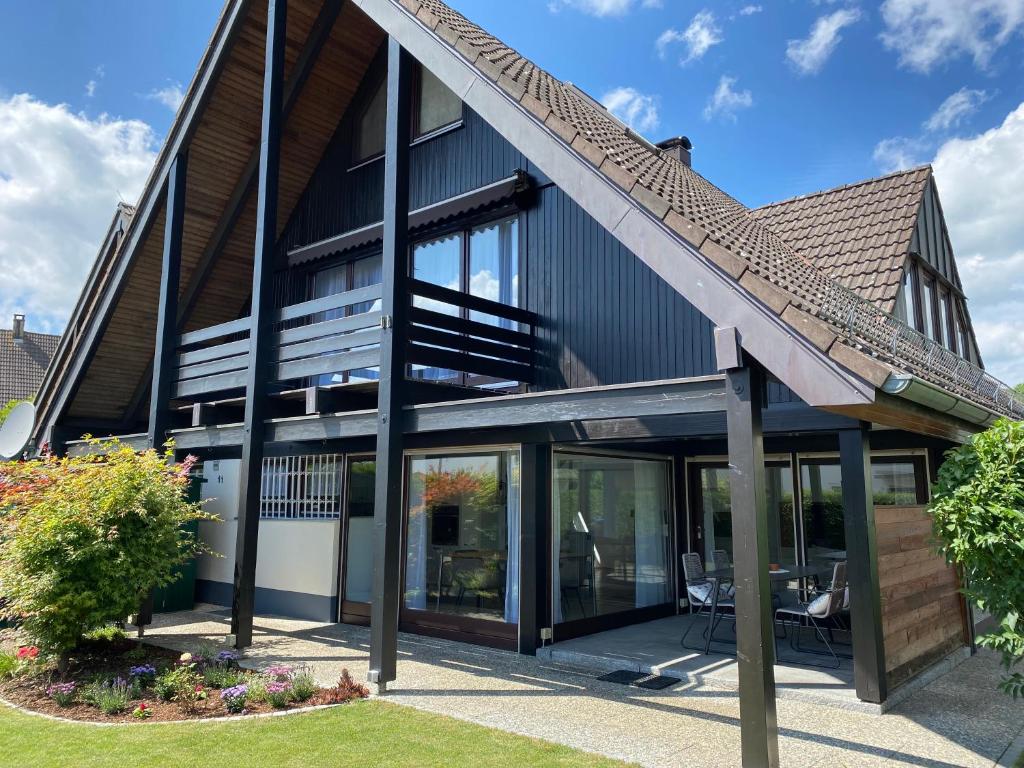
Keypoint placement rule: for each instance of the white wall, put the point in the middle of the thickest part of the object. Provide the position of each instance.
(293, 555)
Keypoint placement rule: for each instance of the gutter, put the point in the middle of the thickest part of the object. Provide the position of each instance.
(917, 390)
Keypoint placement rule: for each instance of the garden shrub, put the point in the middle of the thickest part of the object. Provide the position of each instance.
(303, 684)
(234, 698)
(83, 540)
(346, 690)
(257, 689)
(111, 697)
(64, 694)
(279, 693)
(978, 511)
(8, 665)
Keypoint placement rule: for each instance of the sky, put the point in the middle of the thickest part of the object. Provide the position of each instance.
(779, 97)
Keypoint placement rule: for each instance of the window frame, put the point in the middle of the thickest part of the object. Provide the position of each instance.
(924, 276)
(415, 135)
(364, 107)
(465, 227)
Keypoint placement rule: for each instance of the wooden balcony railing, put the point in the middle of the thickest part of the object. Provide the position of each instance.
(448, 330)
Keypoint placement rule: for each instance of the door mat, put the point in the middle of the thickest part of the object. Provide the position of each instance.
(640, 679)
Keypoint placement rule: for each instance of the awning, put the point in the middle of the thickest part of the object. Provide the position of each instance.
(467, 202)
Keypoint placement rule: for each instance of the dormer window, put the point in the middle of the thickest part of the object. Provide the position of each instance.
(933, 306)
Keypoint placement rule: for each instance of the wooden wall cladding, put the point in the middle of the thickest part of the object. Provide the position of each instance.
(923, 614)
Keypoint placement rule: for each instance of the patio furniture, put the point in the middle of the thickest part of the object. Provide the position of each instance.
(721, 560)
(817, 613)
(704, 593)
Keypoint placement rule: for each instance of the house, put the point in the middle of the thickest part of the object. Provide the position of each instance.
(464, 355)
(24, 357)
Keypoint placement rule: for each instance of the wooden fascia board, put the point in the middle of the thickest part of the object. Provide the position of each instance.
(184, 126)
(792, 359)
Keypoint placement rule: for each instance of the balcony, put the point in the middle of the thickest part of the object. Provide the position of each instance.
(479, 344)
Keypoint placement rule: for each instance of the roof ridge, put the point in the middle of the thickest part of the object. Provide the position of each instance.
(843, 187)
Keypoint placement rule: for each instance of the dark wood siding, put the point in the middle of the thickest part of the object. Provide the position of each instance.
(606, 317)
(930, 240)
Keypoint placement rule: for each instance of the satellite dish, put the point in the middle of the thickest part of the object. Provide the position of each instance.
(16, 430)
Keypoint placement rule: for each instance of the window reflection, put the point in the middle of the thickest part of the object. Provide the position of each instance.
(611, 535)
(338, 279)
(462, 535)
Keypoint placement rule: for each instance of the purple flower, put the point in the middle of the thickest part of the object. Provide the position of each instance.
(279, 672)
(227, 656)
(278, 687)
(65, 689)
(235, 692)
(143, 670)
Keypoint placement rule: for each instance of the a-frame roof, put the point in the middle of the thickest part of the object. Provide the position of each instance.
(858, 234)
(816, 336)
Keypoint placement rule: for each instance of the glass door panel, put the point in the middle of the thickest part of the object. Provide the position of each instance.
(439, 262)
(821, 493)
(611, 537)
(359, 530)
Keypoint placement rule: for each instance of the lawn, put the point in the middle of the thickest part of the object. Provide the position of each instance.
(358, 734)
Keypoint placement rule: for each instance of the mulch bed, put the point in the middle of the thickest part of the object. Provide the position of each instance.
(112, 658)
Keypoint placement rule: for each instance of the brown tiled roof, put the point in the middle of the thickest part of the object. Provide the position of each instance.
(858, 234)
(856, 333)
(22, 365)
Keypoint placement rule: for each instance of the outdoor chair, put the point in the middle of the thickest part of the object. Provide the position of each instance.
(817, 613)
(720, 559)
(699, 592)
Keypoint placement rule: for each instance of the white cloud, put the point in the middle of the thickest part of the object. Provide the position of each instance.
(899, 153)
(927, 32)
(982, 198)
(726, 102)
(809, 54)
(637, 110)
(170, 96)
(601, 8)
(750, 10)
(61, 175)
(702, 33)
(90, 88)
(955, 109)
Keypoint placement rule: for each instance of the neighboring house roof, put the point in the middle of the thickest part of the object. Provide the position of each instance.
(23, 364)
(858, 234)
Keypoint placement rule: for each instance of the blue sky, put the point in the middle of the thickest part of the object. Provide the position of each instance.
(780, 97)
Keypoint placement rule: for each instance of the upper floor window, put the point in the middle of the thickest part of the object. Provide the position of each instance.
(436, 105)
(339, 278)
(935, 308)
(481, 261)
(370, 126)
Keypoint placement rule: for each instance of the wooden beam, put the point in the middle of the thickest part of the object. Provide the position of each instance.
(535, 493)
(167, 310)
(387, 514)
(755, 641)
(862, 565)
(318, 35)
(260, 330)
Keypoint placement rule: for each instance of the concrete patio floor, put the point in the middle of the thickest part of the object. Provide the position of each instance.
(957, 721)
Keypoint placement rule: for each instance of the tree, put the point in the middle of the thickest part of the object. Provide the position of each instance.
(83, 540)
(1019, 389)
(978, 511)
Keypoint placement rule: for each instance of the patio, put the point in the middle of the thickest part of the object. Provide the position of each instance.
(955, 721)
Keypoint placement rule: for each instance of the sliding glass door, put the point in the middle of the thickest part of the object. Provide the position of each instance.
(357, 544)
(462, 542)
(611, 539)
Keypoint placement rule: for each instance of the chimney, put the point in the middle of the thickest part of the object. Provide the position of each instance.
(678, 147)
(18, 333)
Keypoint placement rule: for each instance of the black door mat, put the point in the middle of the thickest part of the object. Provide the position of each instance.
(640, 679)
(623, 676)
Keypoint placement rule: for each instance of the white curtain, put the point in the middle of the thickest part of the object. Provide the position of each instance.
(651, 506)
(416, 547)
(513, 512)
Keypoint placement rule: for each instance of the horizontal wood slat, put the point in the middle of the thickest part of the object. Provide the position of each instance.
(473, 303)
(328, 344)
(420, 316)
(313, 366)
(327, 303)
(462, 361)
(469, 344)
(213, 353)
(328, 328)
(213, 367)
(241, 325)
(922, 609)
(219, 383)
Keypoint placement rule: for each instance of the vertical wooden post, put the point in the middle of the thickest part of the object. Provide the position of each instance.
(862, 565)
(755, 641)
(387, 514)
(167, 309)
(251, 470)
(535, 490)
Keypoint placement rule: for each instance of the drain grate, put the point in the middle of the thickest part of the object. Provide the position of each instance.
(640, 679)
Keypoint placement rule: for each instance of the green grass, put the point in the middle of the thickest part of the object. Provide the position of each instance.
(359, 734)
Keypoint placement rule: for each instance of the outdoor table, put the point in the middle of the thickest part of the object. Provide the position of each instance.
(717, 575)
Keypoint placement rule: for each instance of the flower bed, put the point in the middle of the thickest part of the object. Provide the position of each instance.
(111, 678)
